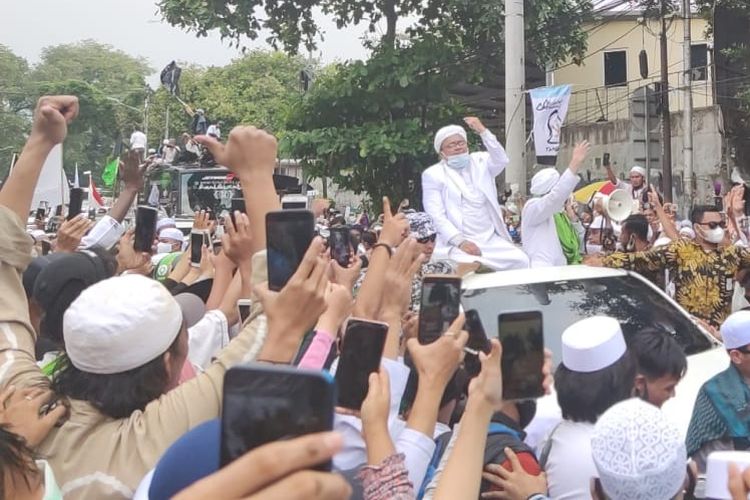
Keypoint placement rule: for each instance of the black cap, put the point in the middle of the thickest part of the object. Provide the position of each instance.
(36, 266)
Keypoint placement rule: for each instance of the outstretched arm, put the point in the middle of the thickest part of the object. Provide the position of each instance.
(498, 157)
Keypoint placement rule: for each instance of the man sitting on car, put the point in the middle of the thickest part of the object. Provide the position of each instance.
(721, 415)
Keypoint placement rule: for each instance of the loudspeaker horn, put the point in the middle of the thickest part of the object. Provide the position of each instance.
(620, 205)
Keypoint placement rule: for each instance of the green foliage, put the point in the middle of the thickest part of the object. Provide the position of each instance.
(14, 105)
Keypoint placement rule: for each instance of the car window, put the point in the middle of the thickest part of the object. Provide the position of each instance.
(562, 303)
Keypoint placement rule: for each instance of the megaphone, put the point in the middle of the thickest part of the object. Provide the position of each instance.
(619, 205)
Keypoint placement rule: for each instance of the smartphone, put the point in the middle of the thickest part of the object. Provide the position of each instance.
(197, 238)
(478, 342)
(294, 202)
(263, 404)
(208, 241)
(440, 306)
(288, 236)
(238, 205)
(361, 352)
(145, 228)
(244, 306)
(41, 212)
(605, 160)
(341, 245)
(58, 210)
(522, 336)
(76, 202)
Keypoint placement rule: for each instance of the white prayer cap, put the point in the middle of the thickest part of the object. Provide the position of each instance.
(597, 223)
(543, 181)
(592, 344)
(164, 223)
(172, 233)
(446, 132)
(639, 454)
(638, 170)
(735, 332)
(687, 232)
(120, 324)
(717, 472)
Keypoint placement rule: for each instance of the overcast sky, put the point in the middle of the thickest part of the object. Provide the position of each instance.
(135, 27)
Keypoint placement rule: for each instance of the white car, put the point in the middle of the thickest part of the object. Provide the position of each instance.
(566, 295)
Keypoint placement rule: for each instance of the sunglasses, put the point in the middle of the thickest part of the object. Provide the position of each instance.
(714, 225)
(427, 239)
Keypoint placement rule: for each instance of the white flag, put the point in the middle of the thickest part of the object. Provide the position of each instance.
(550, 105)
(76, 184)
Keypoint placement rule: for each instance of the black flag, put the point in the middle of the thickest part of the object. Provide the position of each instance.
(170, 78)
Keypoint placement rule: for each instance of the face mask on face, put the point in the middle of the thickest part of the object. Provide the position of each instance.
(458, 162)
(593, 249)
(714, 236)
(163, 247)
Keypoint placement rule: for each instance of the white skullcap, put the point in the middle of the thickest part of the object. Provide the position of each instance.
(638, 170)
(120, 324)
(164, 223)
(638, 453)
(735, 332)
(597, 223)
(446, 132)
(592, 344)
(172, 233)
(717, 472)
(543, 181)
(687, 232)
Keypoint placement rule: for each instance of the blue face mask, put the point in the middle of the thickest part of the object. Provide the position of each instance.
(458, 162)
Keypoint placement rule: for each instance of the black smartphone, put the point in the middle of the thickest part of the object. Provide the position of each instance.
(605, 160)
(238, 205)
(41, 212)
(145, 228)
(478, 342)
(288, 236)
(361, 352)
(197, 238)
(244, 306)
(263, 404)
(341, 245)
(522, 337)
(76, 202)
(58, 210)
(440, 306)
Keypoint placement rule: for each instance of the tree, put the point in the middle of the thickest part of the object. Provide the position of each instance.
(14, 106)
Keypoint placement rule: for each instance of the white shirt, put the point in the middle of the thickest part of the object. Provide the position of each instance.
(138, 140)
(214, 130)
(635, 193)
(207, 337)
(539, 232)
(570, 466)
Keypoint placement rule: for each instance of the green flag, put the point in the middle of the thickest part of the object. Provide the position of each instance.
(110, 172)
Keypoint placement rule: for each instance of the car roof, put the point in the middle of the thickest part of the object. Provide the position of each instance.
(538, 275)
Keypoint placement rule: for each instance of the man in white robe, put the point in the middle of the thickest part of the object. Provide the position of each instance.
(460, 195)
(637, 186)
(541, 240)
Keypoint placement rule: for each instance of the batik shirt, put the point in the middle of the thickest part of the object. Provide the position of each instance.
(703, 279)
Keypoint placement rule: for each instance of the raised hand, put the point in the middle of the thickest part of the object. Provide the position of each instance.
(131, 170)
(248, 150)
(52, 116)
(237, 242)
(487, 387)
(127, 258)
(580, 153)
(475, 124)
(71, 233)
(395, 227)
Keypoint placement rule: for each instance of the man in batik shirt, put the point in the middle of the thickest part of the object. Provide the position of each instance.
(702, 270)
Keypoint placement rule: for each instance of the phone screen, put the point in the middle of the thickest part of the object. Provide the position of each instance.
(238, 205)
(441, 301)
(263, 404)
(145, 228)
(361, 352)
(340, 243)
(40, 213)
(478, 341)
(288, 236)
(76, 202)
(196, 247)
(244, 306)
(522, 337)
(605, 161)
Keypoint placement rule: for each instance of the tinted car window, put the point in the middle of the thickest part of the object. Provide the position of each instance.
(562, 303)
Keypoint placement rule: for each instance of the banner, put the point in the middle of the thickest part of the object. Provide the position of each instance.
(550, 105)
(52, 187)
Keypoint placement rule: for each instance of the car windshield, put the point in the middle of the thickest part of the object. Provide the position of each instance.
(214, 190)
(562, 303)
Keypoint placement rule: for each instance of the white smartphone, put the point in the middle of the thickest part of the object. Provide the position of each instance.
(244, 306)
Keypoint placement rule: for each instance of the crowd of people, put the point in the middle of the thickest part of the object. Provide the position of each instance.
(113, 361)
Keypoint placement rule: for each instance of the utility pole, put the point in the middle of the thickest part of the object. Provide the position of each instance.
(687, 112)
(666, 125)
(515, 99)
(145, 119)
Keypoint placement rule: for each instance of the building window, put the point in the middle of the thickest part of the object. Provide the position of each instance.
(615, 68)
(699, 62)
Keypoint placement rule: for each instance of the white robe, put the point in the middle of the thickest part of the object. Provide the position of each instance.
(570, 465)
(464, 206)
(538, 229)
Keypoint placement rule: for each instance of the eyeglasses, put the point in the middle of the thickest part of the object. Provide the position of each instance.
(714, 225)
(427, 239)
(455, 145)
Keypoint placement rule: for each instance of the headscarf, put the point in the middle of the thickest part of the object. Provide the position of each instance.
(446, 132)
(543, 181)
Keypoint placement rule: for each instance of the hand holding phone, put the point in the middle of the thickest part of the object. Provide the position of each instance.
(288, 236)
(244, 306)
(197, 238)
(478, 342)
(263, 404)
(341, 247)
(522, 337)
(76, 202)
(361, 352)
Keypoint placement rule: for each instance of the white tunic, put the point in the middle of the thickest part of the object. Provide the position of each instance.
(570, 466)
(538, 229)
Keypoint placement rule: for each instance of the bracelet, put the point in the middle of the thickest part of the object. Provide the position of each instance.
(383, 245)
